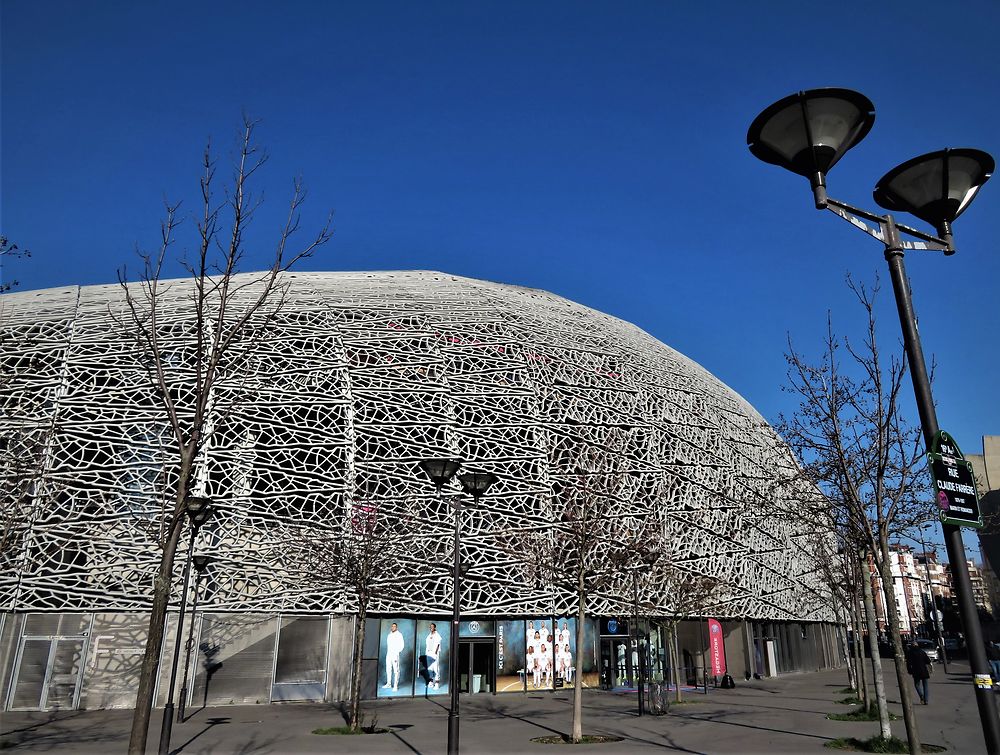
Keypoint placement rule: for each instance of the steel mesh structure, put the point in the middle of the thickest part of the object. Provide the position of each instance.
(358, 378)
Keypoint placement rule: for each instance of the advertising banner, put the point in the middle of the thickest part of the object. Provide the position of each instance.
(434, 657)
(510, 656)
(716, 648)
(539, 659)
(565, 651)
(542, 654)
(396, 657)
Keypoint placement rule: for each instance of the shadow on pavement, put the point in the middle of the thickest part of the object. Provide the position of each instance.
(715, 718)
(209, 724)
(46, 734)
(395, 730)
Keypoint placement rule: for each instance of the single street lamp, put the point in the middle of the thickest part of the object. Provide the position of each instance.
(201, 563)
(198, 510)
(932, 609)
(807, 133)
(440, 472)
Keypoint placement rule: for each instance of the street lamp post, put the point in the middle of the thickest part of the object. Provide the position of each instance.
(201, 563)
(638, 649)
(198, 510)
(647, 559)
(807, 133)
(440, 472)
(932, 609)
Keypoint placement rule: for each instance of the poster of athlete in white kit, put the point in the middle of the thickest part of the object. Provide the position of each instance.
(433, 657)
(396, 658)
(564, 634)
(549, 653)
(539, 660)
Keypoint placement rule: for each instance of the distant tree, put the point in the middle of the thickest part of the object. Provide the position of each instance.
(9, 249)
(25, 432)
(189, 356)
(22, 454)
(365, 559)
(850, 434)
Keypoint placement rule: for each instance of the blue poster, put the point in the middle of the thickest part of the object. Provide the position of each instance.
(540, 653)
(475, 628)
(510, 674)
(396, 658)
(433, 657)
(565, 661)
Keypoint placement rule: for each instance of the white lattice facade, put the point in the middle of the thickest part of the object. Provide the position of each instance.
(361, 377)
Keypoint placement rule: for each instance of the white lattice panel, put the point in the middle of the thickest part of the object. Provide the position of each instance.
(363, 375)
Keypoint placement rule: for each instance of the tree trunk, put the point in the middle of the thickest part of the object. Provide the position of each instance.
(154, 643)
(852, 680)
(859, 656)
(676, 651)
(883, 708)
(581, 617)
(852, 674)
(902, 677)
(359, 644)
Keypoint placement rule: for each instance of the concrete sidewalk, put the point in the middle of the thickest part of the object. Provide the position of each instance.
(783, 715)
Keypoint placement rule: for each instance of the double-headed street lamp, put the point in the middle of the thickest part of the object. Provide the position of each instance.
(198, 510)
(440, 472)
(807, 133)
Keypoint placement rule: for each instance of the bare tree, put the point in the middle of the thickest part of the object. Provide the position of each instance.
(21, 472)
(189, 360)
(853, 440)
(25, 433)
(842, 579)
(590, 547)
(9, 249)
(689, 594)
(365, 559)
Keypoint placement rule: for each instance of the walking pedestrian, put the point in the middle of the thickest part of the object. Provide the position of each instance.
(918, 665)
(993, 655)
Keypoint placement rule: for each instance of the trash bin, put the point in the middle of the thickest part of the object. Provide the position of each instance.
(477, 683)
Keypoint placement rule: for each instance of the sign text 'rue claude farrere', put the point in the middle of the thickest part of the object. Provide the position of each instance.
(954, 484)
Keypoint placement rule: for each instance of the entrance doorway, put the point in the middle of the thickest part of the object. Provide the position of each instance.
(476, 667)
(48, 673)
(617, 669)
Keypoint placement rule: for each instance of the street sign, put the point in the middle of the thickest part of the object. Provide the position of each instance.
(954, 483)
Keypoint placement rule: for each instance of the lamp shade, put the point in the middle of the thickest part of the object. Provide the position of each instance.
(936, 187)
(808, 132)
(201, 562)
(199, 509)
(440, 471)
(477, 483)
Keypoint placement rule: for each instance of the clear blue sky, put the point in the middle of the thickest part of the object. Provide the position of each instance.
(593, 149)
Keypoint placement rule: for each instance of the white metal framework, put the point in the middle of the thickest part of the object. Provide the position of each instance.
(361, 376)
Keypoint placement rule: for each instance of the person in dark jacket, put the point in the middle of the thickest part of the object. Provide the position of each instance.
(918, 664)
(993, 656)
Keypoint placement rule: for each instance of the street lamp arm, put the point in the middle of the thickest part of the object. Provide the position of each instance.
(857, 217)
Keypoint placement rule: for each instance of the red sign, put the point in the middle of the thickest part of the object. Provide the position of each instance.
(716, 648)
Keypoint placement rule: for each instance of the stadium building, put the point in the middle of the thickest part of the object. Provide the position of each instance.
(359, 377)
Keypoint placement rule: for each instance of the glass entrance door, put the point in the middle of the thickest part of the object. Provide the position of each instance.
(48, 673)
(476, 667)
(617, 663)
